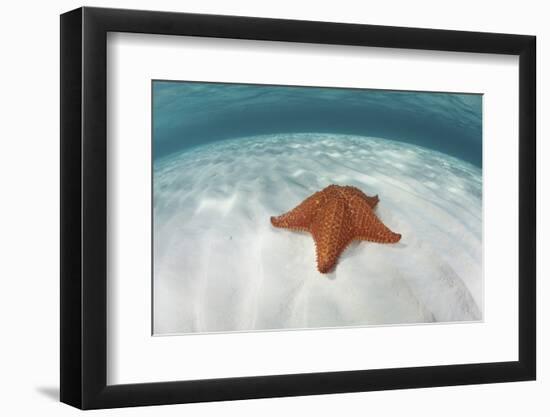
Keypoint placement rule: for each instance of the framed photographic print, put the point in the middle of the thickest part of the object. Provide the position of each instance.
(257, 207)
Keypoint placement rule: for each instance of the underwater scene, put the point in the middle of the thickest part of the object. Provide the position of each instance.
(290, 207)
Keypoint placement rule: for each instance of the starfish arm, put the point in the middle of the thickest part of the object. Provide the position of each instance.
(372, 229)
(301, 216)
(332, 233)
(367, 226)
(372, 201)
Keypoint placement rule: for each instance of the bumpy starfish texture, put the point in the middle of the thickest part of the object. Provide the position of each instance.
(335, 217)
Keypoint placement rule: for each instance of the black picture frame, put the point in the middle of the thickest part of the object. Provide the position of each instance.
(84, 207)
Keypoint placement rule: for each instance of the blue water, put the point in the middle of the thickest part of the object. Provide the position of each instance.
(189, 114)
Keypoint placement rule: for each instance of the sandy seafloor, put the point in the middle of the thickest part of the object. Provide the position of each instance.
(220, 266)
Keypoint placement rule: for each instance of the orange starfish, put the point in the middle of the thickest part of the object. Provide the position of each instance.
(336, 216)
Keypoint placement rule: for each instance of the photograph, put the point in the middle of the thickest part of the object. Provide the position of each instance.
(282, 207)
(336, 205)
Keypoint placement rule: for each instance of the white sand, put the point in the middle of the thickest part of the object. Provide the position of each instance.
(220, 266)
